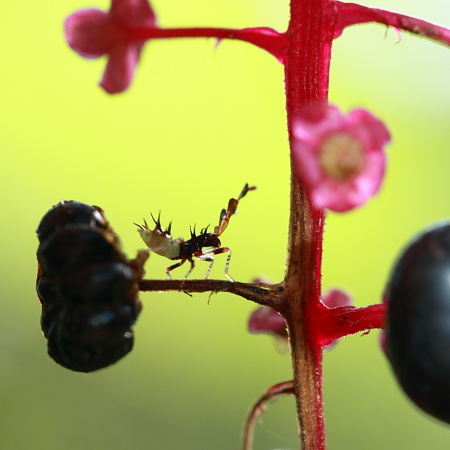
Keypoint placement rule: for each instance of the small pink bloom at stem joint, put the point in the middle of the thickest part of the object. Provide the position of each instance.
(339, 158)
(336, 298)
(93, 33)
(267, 320)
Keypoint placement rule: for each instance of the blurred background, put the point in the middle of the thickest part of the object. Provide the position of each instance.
(197, 123)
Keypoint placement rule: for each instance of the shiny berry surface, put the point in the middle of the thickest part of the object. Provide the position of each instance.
(70, 213)
(87, 287)
(418, 321)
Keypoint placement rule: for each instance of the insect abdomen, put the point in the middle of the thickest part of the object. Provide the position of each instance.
(161, 243)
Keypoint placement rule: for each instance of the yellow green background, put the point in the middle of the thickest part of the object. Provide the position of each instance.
(197, 123)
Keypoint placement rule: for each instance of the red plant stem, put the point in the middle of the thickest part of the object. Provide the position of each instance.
(307, 61)
(334, 323)
(263, 37)
(284, 388)
(275, 42)
(353, 14)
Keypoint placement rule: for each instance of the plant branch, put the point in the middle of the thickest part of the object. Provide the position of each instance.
(272, 394)
(262, 293)
(354, 14)
(303, 292)
(334, 323)
(263, 37)
(311, 31)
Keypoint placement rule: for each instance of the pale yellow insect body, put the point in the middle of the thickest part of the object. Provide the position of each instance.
(160, 242)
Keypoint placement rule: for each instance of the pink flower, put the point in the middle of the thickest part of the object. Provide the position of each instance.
(339, 158)
(267, 320)
(336, 298)
(93, 33)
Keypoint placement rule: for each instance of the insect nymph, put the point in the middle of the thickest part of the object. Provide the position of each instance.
(202, 246)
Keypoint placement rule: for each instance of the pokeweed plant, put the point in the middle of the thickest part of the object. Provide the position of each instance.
(338, 161)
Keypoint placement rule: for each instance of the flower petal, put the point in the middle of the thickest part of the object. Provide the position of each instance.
(120, 68)
(335, 298)
(370, 129)
(90, 33)
(267, 320)
(133, 13)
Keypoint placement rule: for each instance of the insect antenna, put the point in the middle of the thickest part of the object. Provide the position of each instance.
(223, 214)
(245, 190)
(231, 209)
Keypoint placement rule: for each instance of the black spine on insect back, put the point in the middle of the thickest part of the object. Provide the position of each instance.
(87, 287)
(418, 321)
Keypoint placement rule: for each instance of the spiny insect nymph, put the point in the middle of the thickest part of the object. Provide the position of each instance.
(202, 246)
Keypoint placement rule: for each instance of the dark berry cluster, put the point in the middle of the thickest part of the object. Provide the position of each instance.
(87, 287)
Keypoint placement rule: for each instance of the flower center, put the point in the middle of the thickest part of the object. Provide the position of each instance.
(341, 156)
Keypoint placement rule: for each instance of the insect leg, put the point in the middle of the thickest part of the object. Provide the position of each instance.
(207, 256)
(191, 269)
(209, 268)
(227, 263)
(174, 266)
(217, 251)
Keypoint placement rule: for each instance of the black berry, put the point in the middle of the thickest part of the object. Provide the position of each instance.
(418, 322)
